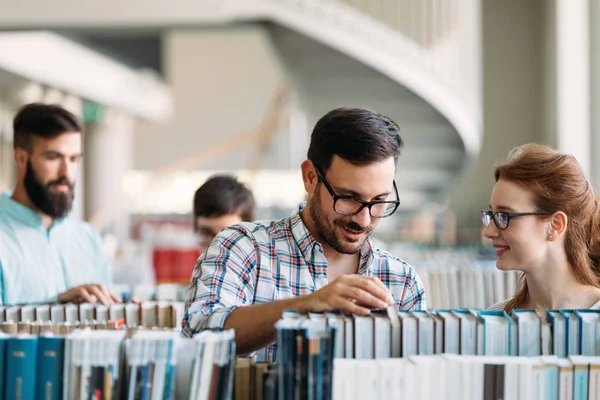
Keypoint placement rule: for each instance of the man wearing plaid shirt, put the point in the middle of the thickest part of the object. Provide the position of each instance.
(320, 258)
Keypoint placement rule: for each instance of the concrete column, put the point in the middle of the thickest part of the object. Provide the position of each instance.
(108, 147)
(573, 79)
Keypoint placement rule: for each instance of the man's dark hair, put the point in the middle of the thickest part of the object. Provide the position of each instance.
(357, 135)
(222, 195)
(44, 120)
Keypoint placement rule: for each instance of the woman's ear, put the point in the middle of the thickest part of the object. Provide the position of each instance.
(558, 225)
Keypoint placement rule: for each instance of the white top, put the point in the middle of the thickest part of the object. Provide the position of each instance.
(502, 304)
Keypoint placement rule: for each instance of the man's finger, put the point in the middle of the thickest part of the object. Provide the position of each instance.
(351, 307)
(364, 297)
(85, 295)
(371, 286)
(99, 293)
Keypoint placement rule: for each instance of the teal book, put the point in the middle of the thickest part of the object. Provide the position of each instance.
(49, 381)
(3, 342)
(21, 356)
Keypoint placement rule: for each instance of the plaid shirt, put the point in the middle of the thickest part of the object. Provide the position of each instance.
(258, 262)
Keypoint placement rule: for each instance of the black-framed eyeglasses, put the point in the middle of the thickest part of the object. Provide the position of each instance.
(501, 219)
(346, 205)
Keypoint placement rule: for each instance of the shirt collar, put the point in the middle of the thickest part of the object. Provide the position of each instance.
(23, 213)
(307, 243)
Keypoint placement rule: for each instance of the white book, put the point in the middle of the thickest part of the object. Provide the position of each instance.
(529, 332)
(117, 311)
(451, 331)
(389, 374)
(588, 320)
(594, 377)
(565, 379)
(57, 313)
(408, 325)
(455, 370)
(423, 371)
(425, 333)
(87, 312)
(132, 314)
(102, 313)
(467, 332)
(346, 378)
(496, 332)
(12, 314)
(42, 313)
(71, 313)
(559, 332)
(573, 331)
(363, 337)
(28, 314)
(382, 340)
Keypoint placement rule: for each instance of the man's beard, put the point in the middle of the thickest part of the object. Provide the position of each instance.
(53, 204)
(328, 232)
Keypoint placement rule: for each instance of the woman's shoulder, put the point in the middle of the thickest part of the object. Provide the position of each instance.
(500, 306)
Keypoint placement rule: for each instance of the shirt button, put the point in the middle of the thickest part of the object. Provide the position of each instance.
(321, 277)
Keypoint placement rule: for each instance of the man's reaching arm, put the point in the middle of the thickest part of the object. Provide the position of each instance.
(255, 325)
(222, 291)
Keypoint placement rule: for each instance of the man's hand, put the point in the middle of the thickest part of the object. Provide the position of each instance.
(88, 293)
(350, 293)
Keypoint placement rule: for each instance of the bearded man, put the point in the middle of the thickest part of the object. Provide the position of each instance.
(320, 258)
(45, 256)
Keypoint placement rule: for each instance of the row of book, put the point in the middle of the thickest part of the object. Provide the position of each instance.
(86, 364)
(450, 377)
(388, 333)
(472, 355)
(36, 318)
(459, 277)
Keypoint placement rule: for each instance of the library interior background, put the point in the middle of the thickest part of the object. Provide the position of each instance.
(173, 93)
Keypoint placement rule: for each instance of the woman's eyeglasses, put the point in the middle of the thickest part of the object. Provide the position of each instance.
(501, 219)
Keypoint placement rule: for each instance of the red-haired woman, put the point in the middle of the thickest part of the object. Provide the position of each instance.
(544, 220)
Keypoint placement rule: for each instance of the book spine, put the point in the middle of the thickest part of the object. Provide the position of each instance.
(21, 363)
(49, 385)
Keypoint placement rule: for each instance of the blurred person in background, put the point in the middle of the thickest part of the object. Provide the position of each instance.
(544, 220)
(321, 257)
(45, 256)
(220, 202)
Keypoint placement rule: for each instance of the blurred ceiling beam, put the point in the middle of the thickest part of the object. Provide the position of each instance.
(57, 62)
(112, 14)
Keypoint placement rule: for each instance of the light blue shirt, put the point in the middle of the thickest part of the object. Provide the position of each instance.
(36, 265)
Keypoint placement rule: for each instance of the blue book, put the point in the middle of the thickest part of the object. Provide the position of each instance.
(49, 382)
(21, 355)
(3, 341)
(580, 377)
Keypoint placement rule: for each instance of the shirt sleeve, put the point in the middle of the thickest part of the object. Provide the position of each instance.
(413, 297)
(224, 279)
(103, 276)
